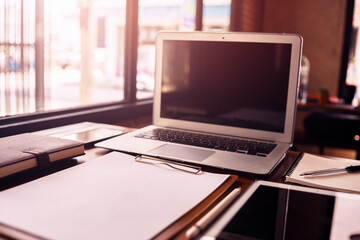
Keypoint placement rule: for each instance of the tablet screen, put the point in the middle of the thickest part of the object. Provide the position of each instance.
(266, 210)
(272, 212)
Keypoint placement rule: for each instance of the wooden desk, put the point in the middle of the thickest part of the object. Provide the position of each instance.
(243, 181)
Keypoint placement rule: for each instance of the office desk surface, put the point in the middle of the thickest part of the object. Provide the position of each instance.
(242, 181)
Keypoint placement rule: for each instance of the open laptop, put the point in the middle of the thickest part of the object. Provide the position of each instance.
(225, 100)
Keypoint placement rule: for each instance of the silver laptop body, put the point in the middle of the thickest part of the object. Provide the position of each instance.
(241, 86)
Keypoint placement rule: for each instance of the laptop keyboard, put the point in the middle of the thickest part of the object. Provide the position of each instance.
(210, 141)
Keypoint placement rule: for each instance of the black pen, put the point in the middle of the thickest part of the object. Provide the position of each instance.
(348, 169)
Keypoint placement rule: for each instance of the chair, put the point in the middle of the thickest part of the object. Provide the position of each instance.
(333, 129)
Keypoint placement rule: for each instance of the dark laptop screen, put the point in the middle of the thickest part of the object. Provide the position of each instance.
(237, 84)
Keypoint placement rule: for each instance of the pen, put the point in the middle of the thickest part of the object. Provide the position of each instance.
(349, 169)
(210, 216)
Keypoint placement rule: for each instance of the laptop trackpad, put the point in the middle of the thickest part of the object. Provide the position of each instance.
(181, 152)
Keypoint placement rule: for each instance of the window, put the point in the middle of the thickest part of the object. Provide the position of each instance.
(155, 16)
(350, 74)
(69, 61)
(353, 74)
(82, 48)
(89, 65)
(216, 15)
(17, 56)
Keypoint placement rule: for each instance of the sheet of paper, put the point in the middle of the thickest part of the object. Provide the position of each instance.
(111, 197)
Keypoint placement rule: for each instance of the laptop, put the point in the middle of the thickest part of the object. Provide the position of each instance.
(224, 100)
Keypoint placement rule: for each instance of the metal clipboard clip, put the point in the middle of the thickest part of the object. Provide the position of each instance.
(175, 165)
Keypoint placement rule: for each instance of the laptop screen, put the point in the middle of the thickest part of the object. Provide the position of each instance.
(237, 84)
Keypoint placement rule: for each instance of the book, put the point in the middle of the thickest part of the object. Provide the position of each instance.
(345, 182)
(110, 197)
(28, 150)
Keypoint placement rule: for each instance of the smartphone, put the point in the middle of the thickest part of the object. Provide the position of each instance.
(95, 135)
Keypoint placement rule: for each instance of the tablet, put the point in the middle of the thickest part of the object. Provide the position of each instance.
(270, 210)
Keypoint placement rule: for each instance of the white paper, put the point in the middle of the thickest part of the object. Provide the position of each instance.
(111, 197)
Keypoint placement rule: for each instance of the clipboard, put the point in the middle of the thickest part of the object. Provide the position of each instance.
(220, 183)
(170, 232)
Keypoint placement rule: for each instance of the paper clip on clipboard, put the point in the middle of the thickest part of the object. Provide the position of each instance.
(175, 165)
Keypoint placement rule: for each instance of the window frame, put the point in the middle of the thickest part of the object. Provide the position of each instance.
(129, 108)
(350, 4)
(109, 113)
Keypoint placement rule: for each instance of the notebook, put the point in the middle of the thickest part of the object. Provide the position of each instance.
(341, 181)
(231, 97)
